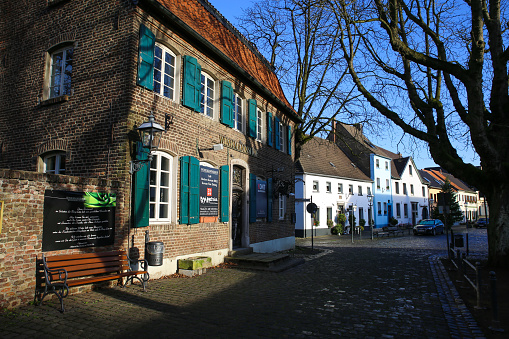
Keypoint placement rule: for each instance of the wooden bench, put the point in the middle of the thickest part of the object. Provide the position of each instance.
(55, 274)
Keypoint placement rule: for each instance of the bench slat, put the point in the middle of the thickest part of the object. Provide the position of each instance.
(83, 255)
(78, 282)
(68, 262)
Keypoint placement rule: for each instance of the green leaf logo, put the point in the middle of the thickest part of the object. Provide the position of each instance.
(98, 200)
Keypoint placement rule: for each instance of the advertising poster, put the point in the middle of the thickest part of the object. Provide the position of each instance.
(78, 219)
(261, 198)
(209, 192)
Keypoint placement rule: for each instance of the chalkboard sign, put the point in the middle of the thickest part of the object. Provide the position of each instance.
(78, 219)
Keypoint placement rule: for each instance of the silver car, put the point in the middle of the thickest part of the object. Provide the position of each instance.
(429, 226)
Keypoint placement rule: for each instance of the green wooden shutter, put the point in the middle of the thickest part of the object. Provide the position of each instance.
(225, 193)
(269, 199)
(289, 139)
(276, 129)
(194, 190)
(227, 103)
(184, 190)
(252, 117)
(191, 83)
(141, 190)
(269, 129)
(146, 58)
(252, 197)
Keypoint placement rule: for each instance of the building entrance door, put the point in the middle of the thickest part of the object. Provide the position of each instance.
(237, 218)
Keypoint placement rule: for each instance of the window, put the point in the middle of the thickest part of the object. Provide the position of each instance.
(379, 208)
(350, 189)
(238, 117)
(282, 206)
(387, 165)
(329, 215)
(423, 191)
(385, 208)
(410, 169)
(404, 189)
(259, 121)
(160, 187)
(405, 210)
(282, 138)
(54, 163)
(315, 186)
(387, 187)
(369, 190)
(361, 213)
(396, 187)
(359, 188)
(377, 161)
(411, 189)
(317, 216)
(328, 187)
(340, 188)
(60, 72)
(398, 210)
(207, 95)
(377, 183)
(164, 72)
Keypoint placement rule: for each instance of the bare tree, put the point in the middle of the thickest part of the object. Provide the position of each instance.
(438, 70)
(301, 40)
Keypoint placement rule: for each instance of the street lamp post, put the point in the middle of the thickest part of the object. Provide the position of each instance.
(466, 226)
(149, 134)
(370, 204)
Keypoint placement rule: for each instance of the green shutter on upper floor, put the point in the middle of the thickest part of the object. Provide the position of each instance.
(194, 190)
(252, 197)
(225, 194)
(146, 58)
(141, 190)
(184, 190)
(269, 199)
(270, 129)
(277, 128)
(252, 117)
(191, 83)
(227, 103)
(289, 139)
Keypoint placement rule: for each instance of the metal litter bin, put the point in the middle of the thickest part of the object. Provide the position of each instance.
(154, 251)
(458, 240)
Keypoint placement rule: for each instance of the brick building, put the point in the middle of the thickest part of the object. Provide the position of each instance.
(78, 77)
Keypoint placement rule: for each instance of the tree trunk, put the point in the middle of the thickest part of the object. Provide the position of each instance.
(498, 228)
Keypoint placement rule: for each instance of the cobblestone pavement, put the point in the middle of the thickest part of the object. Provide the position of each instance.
(385, 288)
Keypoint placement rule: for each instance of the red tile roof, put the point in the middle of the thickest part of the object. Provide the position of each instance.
(201, 20)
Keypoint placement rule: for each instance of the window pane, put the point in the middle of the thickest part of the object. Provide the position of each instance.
(152, 194)
(165, 179)
(152, 212)
(163, 211)
(50, 164)
(164, 195)
(153, 178)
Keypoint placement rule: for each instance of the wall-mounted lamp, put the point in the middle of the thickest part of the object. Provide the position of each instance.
(216, 147)
(150, 135)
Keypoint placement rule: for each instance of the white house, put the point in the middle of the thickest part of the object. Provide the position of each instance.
(326, 176)
(409, 193)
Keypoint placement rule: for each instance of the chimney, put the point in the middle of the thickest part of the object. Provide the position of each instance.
(358, 126)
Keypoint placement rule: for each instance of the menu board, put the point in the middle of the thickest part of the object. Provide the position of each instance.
(78, 219)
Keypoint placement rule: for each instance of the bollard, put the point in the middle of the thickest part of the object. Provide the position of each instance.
(495, 324)
(478, 283)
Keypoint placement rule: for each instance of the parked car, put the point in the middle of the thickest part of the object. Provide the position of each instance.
(481, 222)
(429, 226)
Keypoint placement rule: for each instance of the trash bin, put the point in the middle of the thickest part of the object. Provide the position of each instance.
(458, 240)
(154, 251)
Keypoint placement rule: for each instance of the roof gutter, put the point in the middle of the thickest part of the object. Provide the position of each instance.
(173, 20)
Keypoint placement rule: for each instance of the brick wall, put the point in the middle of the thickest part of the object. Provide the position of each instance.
(21, 234)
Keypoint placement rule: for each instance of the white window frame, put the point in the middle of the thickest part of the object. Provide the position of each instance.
(411, 189)
(350, 189)
(340, 188)
(211, 90)
(238, 113)
(379, 205)
(259, 124)
(282, 130)
(157, 186)
(64, 86)
(316, 186)
(59, 160)
(387, 185)
(282, 206)
(398, 210)
(359, 188)
(396, 187)
(377, 162)
(378, 186)
(385, 208)
(328, 187)
(166, 55)
(386, 165)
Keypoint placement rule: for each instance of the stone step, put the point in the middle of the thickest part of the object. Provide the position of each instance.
(240, 251)
(274, 262)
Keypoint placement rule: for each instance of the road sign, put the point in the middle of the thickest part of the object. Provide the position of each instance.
(311, 207)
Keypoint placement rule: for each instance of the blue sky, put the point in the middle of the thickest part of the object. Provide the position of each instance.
(231, 9)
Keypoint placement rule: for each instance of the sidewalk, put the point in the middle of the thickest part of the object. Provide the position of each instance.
(365, 290)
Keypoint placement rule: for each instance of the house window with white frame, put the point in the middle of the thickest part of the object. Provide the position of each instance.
(404, 189)
(423, 191)
(54, 163)
(386, 165)
(61, 72)
(160, 187)
(378, 183)
(405, 210)
(350, 189)
(359, 188)
(282, 206)
(328, 187)
(315, 186)
(379, 205)
(282, 138)
(259, 125)
(411, 189)
(369, 190)
(387, 187)
(410, 169)
(238, 114)
(377, 162)
(398, 210)
(164, 72)
(396, 187)
(207, 95)
(385, 208)
(340, 188)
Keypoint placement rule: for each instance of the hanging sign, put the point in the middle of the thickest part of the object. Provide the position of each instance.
(77, 219)
(209, 191)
